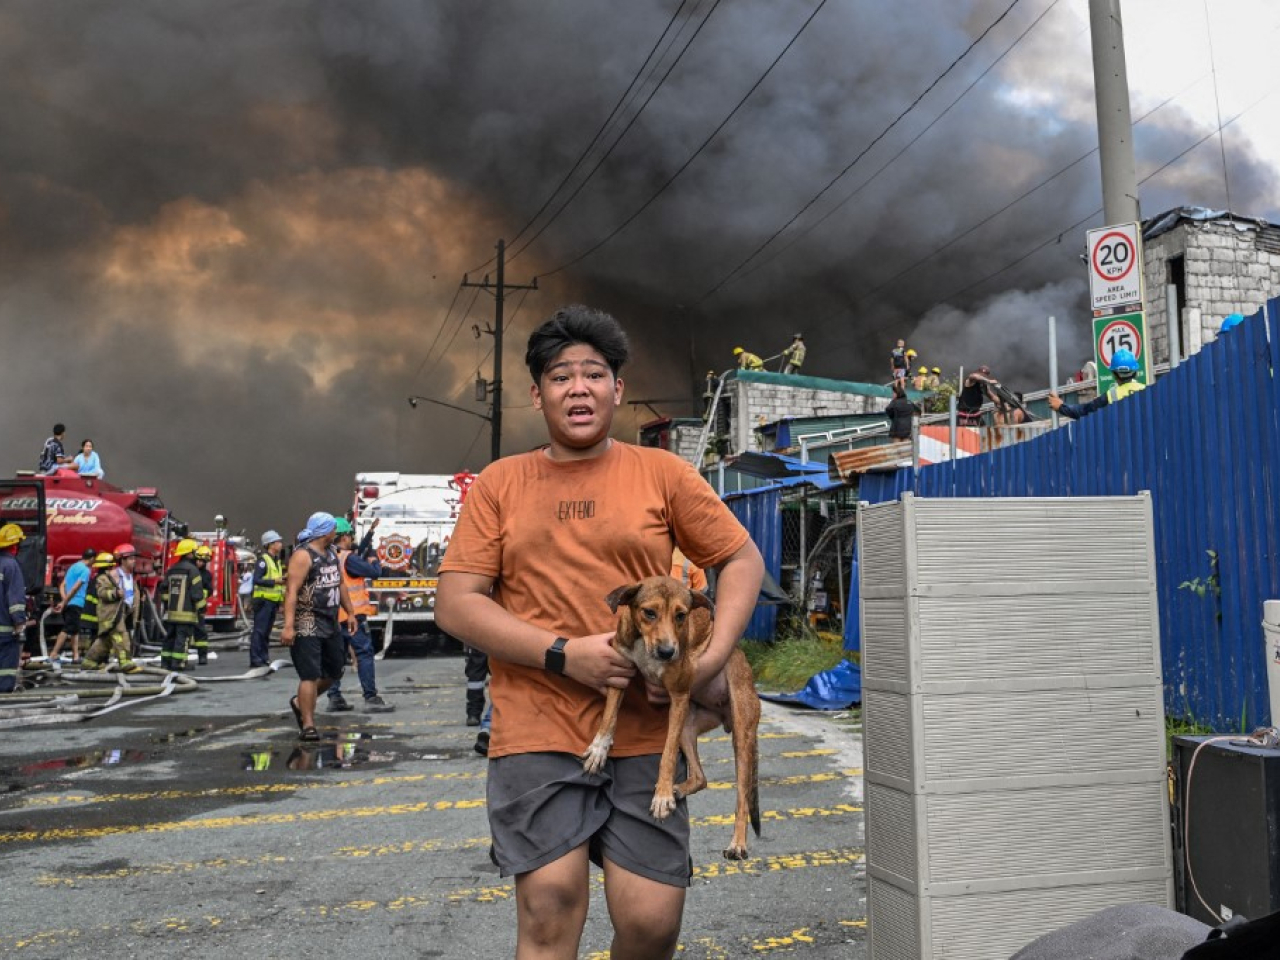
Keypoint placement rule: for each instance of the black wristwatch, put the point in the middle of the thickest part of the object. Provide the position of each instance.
(553, 659)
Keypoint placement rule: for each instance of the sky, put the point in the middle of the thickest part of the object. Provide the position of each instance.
(232, 235)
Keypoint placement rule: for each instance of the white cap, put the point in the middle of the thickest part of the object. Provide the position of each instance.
(271, 537)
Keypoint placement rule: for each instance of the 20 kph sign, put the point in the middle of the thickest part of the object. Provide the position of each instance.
(1115, 266)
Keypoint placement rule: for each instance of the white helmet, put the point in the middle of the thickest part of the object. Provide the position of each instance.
(271, 537)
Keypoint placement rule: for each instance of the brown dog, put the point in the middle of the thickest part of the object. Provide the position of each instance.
(662, 629)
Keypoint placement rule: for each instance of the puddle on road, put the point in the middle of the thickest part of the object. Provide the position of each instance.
(180, 735)
(337, 751)
(94, 758)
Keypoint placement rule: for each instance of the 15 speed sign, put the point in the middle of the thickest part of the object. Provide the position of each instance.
(1115, 266)
(1126, 332)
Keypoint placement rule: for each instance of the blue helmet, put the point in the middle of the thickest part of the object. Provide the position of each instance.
(1123, 362)
(1232, 320)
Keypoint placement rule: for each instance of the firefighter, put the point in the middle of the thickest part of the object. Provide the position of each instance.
(794, 355)
(109, 612)
(1124, 367)
(184, 599)
(203, 554)
(747, 360)
(13, 606)
(268, 594)
(356, 569)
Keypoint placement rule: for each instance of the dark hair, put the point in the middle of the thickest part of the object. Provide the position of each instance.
(577, 324)
(84, 441)
(88, 552)
(899, 388)
(59, 429)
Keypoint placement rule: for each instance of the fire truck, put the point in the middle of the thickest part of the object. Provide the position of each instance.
(223, 603)
(412, 516)
(65, 514)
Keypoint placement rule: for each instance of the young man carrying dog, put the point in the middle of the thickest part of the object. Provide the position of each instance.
(541, 541)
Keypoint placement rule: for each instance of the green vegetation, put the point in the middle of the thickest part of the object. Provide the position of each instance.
(1182, 727)
(787, 664)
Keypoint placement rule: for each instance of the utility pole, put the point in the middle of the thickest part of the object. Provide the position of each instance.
(498, 290)
(1115, 129)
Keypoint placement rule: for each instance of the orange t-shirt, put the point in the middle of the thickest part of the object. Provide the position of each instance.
(557, 537)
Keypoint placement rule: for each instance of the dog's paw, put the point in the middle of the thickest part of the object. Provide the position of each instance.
(662, 806)
(735, 852)
(593, 760)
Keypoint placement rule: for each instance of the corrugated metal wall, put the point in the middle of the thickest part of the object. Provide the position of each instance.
(759, 513)
(1205, 440)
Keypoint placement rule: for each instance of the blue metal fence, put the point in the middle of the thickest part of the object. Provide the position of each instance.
(1205, 440)
(758, 511)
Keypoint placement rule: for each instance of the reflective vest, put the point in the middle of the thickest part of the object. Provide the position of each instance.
(274, 572)
(357, 590)
(1118, 391)
(184, 593)
(749, 361)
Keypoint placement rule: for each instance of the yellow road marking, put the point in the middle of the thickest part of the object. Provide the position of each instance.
(483, 894)
(394, 849)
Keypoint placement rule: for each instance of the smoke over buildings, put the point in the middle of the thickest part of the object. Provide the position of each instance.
(229, 235)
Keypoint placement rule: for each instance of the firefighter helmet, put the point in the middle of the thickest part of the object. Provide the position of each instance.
(937, 370)
(104, 560)
(10, 534)
(185, 546)
(738, 350)
(911, 353)
(204, 552)
(1124, 363)
(342, 525)
(125, 550)
(924, 370)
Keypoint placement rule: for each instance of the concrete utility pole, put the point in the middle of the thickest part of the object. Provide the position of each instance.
(1115, 129)
(498, 290)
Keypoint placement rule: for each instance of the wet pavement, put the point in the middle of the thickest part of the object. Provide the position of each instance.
(198, 826)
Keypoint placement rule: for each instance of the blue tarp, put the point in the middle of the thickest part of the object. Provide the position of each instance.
(836, 689)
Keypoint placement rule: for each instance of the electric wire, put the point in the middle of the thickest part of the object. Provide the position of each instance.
(696, 153)
(456, 330)
(417, 373)
(508, 327)
(801, 234)
(608, 121)
(630, 123)
(865, 150)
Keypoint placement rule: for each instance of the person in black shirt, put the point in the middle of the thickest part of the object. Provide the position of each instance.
(976, 391)
(54, 454)
(900, 412)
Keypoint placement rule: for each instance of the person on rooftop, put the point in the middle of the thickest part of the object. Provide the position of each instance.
(794, 355)
(747, 360)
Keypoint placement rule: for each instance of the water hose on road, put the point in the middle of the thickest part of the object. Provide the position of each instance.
(74, 704)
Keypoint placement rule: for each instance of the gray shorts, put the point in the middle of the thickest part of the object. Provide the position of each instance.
(542, 805)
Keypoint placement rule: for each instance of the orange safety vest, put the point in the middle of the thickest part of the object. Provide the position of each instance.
(356, 590)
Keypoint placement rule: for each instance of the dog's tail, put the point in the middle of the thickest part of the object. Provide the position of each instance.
(755, 793)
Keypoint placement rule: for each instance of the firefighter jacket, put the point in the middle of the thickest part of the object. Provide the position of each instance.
(355, 571)
(268, 579)
(104, 606)
(13, 597)
(183, 592)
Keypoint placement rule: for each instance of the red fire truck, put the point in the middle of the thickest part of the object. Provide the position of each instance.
(223, 605)
(65, 514)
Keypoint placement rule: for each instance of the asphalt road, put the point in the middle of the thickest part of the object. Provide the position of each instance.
(197, 826)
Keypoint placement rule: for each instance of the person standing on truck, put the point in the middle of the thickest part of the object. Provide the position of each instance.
(541, 538)
(356, 569)
(203, 554)
(13, 606)
(314, 590)
(268, 594)
(106, 603)
(184, 599)
(74, 584)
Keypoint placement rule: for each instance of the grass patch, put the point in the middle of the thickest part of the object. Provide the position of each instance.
(1182, 727)
(787, 664)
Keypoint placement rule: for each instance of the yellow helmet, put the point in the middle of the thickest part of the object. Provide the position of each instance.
(10, 534)
(204, 552)
(924, 370)
(911, 353)
(738, 350)
(936, 370)
(185, 546)
(104, 560)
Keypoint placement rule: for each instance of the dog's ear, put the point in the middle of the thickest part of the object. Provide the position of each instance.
(701, 600)
(622, 596)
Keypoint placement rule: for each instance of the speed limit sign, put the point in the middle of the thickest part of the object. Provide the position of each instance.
(1115, 266)
(1125, 332)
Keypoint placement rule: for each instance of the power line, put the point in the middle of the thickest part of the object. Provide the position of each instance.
(800, 235)
(630, 123)
(436, 339)
(461, 323)
(524, 294)
(626, 94)
(865, 150)
(672, 179)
